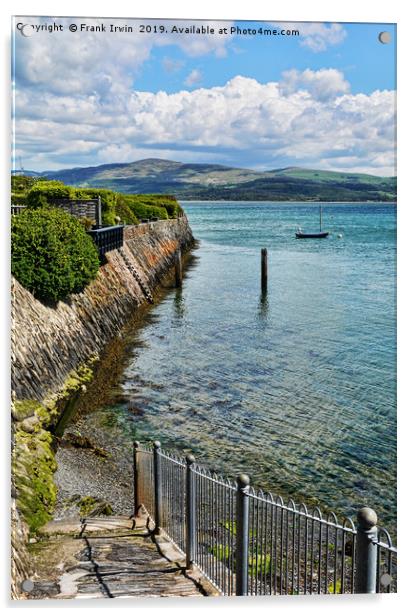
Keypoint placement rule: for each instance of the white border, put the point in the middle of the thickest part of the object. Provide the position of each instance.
(300, 10)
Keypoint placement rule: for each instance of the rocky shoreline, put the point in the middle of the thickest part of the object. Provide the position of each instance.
(102, 470)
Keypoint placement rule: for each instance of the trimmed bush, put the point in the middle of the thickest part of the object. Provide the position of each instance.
(169, 203)
(43, 192)
(139, 206)
(124, 212)
(52, 255)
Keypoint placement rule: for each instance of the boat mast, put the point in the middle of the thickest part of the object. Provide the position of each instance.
(320, 218)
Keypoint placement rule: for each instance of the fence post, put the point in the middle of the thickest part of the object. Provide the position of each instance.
(190, 506)
(366, 551)
(137, 497)
(242, 534)
(157, 487)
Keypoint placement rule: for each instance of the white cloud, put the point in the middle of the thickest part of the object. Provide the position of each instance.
(309, 118)
(317, 36)
(322, 84)
(106, 64)
(193, 78)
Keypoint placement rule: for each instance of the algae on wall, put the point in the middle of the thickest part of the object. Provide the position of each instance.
(33, 465)
(55, 348)
(33, 458)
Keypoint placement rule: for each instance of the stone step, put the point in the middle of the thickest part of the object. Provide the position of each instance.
(109, 557)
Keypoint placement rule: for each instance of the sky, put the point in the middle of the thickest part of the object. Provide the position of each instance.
(324, 99)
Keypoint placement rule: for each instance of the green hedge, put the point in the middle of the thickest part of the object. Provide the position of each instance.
(52, 255)
(43, 193)
(124, 212)
(142, 207)
(130, 208)
(169, 203)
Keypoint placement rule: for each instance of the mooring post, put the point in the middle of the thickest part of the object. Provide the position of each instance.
(157, 487)
(366, 551)
(264, 270)
(242, 534)
(190, 506)
(178, 269)
(137, 498)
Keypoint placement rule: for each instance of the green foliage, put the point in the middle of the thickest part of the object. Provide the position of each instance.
(86, 222)
(221, 552)
(335, 589)
(33, 466)
(124, 212)
(169, 203)
(230, 525)
(39, 193)
(22, 183)
(42, 193)
(52, 255)
(89, 505)
(142, 208)
(262, 564)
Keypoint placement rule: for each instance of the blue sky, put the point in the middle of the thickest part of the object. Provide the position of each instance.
(366, 63)
(324, 99)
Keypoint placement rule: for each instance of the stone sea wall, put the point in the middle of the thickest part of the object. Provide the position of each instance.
(54, 349)
(50, 342)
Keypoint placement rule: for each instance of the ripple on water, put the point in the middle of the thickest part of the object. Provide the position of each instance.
(297, 388)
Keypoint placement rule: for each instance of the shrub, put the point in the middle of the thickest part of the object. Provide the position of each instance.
(52, 255)
(139, 206)
(43, 193)
(169, 203)
(147, 211)
(124, 212)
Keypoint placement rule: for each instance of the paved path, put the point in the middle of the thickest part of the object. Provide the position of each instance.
(112, 557)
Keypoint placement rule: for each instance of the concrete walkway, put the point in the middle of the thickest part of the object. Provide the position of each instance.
(111, 557)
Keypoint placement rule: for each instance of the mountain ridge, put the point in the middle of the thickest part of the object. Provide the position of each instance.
(215, 181)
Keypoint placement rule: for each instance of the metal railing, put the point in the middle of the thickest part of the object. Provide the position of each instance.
(249, 542)
(107, 238)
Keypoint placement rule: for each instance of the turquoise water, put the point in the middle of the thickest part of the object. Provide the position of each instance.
(296, 388)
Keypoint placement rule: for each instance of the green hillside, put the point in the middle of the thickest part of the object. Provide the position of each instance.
(210, 182)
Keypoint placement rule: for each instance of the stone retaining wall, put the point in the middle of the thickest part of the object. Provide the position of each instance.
(52, 349)
(49, 342)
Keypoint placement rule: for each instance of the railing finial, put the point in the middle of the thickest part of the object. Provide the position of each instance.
(367, 518)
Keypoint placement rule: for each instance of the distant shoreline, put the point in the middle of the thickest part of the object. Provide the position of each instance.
(285, 202)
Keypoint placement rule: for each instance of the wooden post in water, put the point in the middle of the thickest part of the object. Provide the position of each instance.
(178, 269)
(264, 270)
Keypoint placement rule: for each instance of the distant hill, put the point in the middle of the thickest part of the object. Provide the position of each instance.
(210, 182)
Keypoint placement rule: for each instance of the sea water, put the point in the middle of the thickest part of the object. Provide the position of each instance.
(297, 388)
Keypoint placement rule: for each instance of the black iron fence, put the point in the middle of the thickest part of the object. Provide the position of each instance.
(249, 542)
(107, 238)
